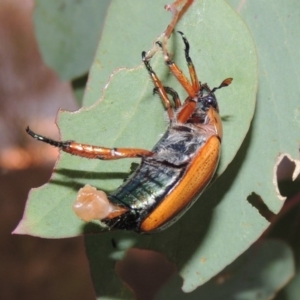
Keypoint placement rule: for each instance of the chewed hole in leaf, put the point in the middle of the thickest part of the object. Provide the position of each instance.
(256, 201)
(144, 271)
(288, 175)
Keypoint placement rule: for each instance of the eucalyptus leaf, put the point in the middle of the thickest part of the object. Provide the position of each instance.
(222, 224)
(68, 32)
(257, 274)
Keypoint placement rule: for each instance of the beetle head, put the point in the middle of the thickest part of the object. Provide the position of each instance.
(207, 97)
(208, 101)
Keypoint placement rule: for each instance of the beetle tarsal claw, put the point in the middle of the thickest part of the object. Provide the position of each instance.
(92, 204)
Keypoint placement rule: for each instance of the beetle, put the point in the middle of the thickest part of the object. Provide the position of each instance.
(174, 173)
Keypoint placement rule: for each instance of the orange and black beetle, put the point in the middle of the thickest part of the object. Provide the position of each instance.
(173, 174)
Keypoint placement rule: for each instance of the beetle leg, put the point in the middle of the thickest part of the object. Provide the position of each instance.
(195, 83)
(190, 104)
(186, 111)
(177, 14)
(177, 8)
(178, 73)
(90, 151)
(172, 93)
(159, 88)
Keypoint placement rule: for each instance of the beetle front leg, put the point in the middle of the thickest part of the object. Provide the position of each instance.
(159, 88)
(178, 73)
(195, 82)
(172, 93)
(90, 151)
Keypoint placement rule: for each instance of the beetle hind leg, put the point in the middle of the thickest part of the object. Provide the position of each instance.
(90, 151)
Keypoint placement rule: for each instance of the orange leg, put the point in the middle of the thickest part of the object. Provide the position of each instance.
(174, 8)
(180, 76)
(192, 71)
(193, 88)
(172, 93)
(177, 8)
(159, 88)
(190, 104)
(186, 112)
(90, 151)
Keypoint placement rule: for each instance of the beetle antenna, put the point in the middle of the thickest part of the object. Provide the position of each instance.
(224, 83)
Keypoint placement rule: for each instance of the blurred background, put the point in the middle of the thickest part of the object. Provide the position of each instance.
(31, 94)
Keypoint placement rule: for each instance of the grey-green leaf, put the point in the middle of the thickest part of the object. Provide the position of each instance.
(257, 274)
(68, 32)
(222, 224)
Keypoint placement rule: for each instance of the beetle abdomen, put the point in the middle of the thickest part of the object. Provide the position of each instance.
(195, 179)
(142, 192)
(157, 176)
